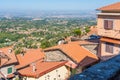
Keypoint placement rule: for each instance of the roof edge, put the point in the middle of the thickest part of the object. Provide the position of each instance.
(101, 8)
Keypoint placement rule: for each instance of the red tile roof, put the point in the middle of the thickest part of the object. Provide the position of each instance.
(111, 7)
(10, 57)
(41, 68)
(82, 42)
(110, 40)
(31, 55)
(76, 52)
(10, 75)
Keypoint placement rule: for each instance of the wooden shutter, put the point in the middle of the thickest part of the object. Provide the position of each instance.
(105, 24)
(109, 47)
(108, 24)
(9, 70)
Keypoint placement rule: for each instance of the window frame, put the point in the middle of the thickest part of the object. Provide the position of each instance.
(9, 70)
(108, 20)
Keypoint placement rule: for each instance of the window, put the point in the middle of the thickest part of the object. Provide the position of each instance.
(109, 47)
(9, 70)
(108, 24)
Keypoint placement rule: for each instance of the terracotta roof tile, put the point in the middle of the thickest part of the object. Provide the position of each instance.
(111, 7)
(41, 68)
(10, 75)
(10, 57)
(31, 55)
(110, 40)
(76, 52)
(82, 42)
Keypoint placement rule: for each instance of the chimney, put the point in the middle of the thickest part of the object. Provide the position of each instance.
(33, 67)
(9, 50)
(22, 54)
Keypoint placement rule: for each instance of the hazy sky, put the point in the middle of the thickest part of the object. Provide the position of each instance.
(53, 4)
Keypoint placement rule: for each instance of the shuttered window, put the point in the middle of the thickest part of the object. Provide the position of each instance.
(108, 24)
(109, 47)
(9, 70)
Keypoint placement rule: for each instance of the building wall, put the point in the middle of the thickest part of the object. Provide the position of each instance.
(55, 55)
(100, 22)
(105, 55)
(115, 33)
(4, 70)
(92, 48)
(58, 74)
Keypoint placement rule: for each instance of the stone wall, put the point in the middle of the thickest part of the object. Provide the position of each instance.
(55, 55)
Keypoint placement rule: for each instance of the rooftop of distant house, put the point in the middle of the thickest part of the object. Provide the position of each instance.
(106, 70)
(111, 7)
(76, 52)
(30, 56)
(7, 56)
(41, 68)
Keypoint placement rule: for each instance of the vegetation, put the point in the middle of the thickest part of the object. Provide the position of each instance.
(87, 29)
(10, 36)
(73, 72)
(77, 32)
(30, 33)
(18, 51)
(45, 44)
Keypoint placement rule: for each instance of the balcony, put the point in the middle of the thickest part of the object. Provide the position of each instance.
(109, 33)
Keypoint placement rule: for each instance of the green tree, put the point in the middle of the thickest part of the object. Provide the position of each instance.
(18, 51)
(45, 44)
(87, 29)
(77, 32)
